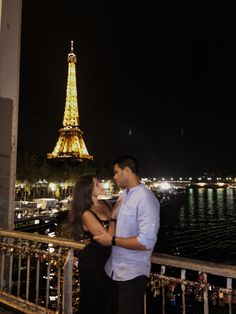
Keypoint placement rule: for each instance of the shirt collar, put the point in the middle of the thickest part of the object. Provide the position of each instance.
(129, 191)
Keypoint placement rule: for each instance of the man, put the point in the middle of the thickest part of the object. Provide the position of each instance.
(137, 224)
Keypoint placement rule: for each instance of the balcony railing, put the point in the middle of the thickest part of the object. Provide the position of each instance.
(40, 274)
(198, 280)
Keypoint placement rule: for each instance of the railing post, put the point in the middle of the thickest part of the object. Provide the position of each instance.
(229, 286)
(10, 271)
(37, 278)
(2, 283)
(28, 276)
(47, 284)
(67, 284)
(5, 273)
(145, 304)
(59, 281)
(163, 269)
(183, 273)
(205, 295)
(19, 275)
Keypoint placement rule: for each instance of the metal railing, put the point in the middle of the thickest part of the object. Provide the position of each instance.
(198, 282)
(37, 272)
(40, 274)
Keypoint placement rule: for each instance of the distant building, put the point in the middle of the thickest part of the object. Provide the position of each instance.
(70, 144)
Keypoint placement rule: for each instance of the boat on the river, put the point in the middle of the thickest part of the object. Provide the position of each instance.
(30, 215)
(167, 196)
(232, 186)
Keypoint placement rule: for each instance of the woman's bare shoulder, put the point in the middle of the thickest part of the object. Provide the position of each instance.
(87, 213)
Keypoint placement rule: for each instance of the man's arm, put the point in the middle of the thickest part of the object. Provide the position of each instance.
(148, 222)
(105, 238)
(128, 243)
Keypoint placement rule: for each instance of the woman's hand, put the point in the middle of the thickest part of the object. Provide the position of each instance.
(85, 241)
(116, 207)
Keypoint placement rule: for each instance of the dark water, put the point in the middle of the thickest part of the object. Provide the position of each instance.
(199, 225)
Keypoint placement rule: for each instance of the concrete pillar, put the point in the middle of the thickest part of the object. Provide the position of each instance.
(10, 37)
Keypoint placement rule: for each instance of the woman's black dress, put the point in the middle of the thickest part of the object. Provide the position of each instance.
(98, 294)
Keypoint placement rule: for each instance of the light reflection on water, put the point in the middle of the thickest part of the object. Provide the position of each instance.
(200, 225)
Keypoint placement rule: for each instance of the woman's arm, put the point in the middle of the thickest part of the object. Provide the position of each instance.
(112, 225)
(91, 224)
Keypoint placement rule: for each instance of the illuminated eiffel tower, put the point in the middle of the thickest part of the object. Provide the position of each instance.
(70, 144)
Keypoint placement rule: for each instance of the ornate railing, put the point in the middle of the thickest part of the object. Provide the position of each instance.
(40, 274)
(198, 281)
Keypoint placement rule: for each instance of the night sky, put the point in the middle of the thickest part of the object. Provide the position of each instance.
(154, 80)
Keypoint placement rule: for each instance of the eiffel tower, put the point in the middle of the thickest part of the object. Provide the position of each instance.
(70, 144)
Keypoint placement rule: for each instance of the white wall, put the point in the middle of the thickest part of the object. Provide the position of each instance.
(10, 37)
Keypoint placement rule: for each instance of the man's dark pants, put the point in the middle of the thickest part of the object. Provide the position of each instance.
(131, 295)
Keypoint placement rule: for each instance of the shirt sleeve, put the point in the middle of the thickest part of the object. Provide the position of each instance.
(148, 221)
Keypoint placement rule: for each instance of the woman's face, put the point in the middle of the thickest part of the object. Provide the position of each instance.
(97, 188)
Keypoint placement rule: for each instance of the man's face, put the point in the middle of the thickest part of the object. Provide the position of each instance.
(120, 176)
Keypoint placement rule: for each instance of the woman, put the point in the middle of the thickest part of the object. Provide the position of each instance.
(89, 217)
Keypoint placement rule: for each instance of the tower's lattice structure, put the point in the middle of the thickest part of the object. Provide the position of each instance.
(70, 143)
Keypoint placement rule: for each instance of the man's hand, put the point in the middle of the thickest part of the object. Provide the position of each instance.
(104, 239)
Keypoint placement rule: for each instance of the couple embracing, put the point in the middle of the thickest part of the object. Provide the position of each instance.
(114, 267)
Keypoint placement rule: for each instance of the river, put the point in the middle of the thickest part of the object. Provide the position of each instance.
(200, 225)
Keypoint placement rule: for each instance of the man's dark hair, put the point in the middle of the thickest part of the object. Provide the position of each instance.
(127, 161)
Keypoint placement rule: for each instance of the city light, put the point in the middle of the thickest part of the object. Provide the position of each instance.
(165, 186)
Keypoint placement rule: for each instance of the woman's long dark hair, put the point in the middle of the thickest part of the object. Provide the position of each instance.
(82, 201)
